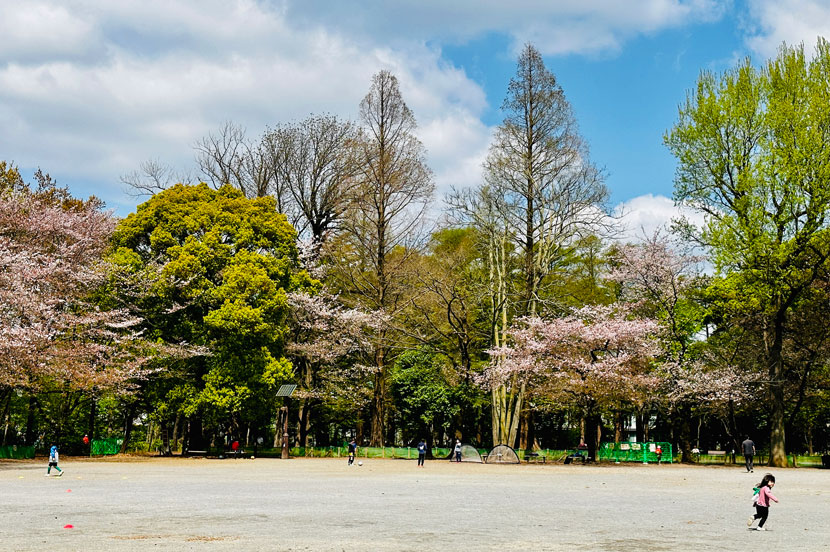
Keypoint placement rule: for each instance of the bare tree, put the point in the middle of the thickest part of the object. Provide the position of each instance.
(220, 156)
(152, 177)
(313, 163)
(392, 188)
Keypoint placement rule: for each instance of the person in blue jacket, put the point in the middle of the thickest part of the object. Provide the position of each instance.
(422, 453)
(53, 462)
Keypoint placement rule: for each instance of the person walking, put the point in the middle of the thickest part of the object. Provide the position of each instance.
(458, 450)
(749, 452)
(762, 502)
(422, 453)
(53, 461)
(352, 450)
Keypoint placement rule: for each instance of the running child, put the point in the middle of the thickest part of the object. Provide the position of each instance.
(762, 503)
(53, 462)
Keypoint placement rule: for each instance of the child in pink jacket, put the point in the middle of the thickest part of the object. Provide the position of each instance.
(762, 505)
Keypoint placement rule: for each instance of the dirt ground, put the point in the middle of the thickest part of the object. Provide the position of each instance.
(322, 504)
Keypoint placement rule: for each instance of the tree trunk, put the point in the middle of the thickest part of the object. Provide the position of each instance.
(128, 427)
(379, 400)
(5, 418)
(31, 421)
(777, 440)
(90, 432)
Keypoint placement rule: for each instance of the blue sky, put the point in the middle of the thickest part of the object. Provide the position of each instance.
(90, 89)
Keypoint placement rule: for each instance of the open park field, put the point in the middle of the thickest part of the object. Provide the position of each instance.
(322, 504)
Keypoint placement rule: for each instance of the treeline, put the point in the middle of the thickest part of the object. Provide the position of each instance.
(306, 257)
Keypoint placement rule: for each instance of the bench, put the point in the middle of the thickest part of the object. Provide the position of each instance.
(716, 452)
(195, 453)
(535, 457)
(574, 456)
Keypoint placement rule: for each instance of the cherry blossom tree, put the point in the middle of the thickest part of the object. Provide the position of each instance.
(598, 357)
(54, 335)
(327, 345)
(661, 276)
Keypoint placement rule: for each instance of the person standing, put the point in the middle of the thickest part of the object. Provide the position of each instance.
(458, 450)
(659, 451)
(352, 450)
(762, 503)
(749, 452)
(53, 462)
(422, 453)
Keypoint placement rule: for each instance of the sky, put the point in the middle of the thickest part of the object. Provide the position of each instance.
(91, 89)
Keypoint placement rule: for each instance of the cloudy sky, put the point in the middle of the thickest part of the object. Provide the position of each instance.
(90, 89)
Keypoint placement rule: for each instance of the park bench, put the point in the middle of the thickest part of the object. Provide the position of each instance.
(535, 457)
(575, 455)
(716, 452)
(196, 453)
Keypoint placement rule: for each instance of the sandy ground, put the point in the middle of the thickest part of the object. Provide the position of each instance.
(322, 504)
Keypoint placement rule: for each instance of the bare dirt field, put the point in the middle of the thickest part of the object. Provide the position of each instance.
(322, 504)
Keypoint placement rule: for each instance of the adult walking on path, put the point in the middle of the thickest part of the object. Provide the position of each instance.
(749, 453)
(458, 450)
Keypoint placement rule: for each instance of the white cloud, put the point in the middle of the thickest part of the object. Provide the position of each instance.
(555, 26)
(774, 22)
(89, 89)
(642, 216)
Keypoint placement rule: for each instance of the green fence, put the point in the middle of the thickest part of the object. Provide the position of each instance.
(105, 446)
(634, 452)
(17, 452)
(395, 452)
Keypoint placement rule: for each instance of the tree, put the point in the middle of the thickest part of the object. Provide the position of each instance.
(662, 278)
(542, 195)
(313, 162)
(425, 399)
(55, 335)
(753, 156)
(229, 157)
(225, 264)
(597, 357)
(327, 346)
(392, 187)
(539, 164)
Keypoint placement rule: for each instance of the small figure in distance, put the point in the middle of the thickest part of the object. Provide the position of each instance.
(235, 448)
(458, 450)
(659, 451)
(422, 453)
(53, 461)
(749, 452)
(352, 450)
(762, 502)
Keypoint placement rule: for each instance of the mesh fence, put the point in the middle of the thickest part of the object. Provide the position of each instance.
(17, 452)
(502, 454)
(635, 452)
(100, 447)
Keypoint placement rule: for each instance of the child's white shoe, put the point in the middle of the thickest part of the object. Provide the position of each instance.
(750, 521)
(760, 529)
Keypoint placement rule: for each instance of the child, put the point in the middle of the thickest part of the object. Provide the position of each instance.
(352, 451)
(762, 504)
(53, 461)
